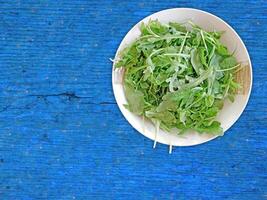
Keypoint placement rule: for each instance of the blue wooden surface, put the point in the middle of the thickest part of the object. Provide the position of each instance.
(62, 135)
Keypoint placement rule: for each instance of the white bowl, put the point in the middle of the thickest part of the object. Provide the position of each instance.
(230, 112)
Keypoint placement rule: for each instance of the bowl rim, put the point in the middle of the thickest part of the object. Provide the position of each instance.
(200, 11)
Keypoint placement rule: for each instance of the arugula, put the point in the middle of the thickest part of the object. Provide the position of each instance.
(178, 76)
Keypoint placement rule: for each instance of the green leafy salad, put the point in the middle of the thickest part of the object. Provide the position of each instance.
(178, 76)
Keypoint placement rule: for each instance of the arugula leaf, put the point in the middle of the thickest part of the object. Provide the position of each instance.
(196, 61)
(214, 128)
(166, 117)
(135, 99)
(222, 50)
(228, 62)
(178, 27)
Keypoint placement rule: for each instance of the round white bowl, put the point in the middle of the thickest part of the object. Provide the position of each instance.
(230, 112)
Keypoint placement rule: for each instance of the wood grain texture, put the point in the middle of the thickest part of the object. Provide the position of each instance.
(62, 135)
(243, 78)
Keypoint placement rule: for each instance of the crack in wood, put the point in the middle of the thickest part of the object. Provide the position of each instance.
(69, 95)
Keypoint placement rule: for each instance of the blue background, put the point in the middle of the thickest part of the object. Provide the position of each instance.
(62, 135)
